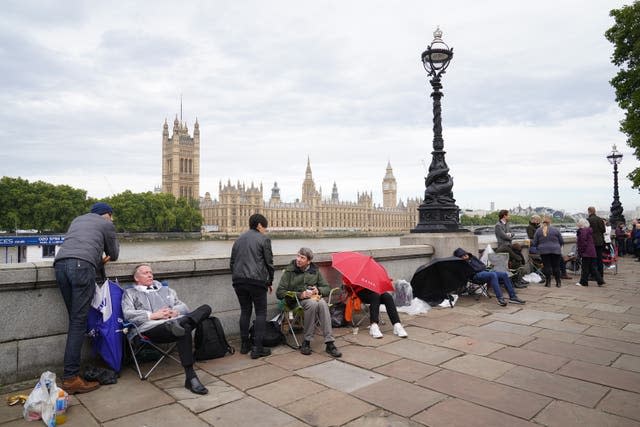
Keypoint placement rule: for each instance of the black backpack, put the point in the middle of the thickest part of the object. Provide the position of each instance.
(273, 336)
(210, 340)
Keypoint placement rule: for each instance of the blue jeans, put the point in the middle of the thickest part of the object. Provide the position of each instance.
(76, 280)
(494, 278)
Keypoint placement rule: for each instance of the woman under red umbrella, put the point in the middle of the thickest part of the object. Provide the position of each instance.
(374, 300)
(370, 282)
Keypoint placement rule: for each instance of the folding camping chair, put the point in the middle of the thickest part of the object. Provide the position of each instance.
(292, 317)
(610, 258)
(139, 344)
(359, 308)
(477, 288)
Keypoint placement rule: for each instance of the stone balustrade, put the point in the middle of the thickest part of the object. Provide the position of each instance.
(35, 319)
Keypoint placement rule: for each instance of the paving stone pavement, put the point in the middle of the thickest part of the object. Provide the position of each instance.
(569, 357)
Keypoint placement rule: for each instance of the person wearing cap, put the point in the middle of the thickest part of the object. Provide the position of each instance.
(482, 275)
(303, 277)
(89, 237)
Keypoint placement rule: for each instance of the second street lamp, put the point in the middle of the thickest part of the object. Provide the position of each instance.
(438, 211)
(616, 217)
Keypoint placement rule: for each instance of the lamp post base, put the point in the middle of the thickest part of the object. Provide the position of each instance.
(438, 219)
(443, 243)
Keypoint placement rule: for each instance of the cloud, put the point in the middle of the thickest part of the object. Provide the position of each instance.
(528, 114)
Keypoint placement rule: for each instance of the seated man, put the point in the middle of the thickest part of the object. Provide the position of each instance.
(492, 277)
(160, 315)
(304, 278)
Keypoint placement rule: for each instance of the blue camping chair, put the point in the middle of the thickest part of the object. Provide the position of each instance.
(105, 324)
(138, 343)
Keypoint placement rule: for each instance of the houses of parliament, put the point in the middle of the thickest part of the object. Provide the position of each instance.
(230, 212)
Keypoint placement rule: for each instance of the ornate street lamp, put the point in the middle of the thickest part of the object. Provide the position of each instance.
(438, 212)
(616, 217)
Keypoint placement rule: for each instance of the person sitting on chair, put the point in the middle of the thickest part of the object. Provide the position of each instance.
(374, 300)
(159, 315)
(504, 237)
(303, 277)
(492, 277)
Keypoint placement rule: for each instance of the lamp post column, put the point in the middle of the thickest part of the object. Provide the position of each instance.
(616, 217)
(438, 211)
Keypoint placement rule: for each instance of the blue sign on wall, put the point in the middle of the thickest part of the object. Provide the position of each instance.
(31, 240)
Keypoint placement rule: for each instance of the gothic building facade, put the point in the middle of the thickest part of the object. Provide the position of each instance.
(312, 213)
(230, 212)
(181, 160)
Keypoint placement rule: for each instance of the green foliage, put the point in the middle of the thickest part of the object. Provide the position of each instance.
(51, 208)
(39, 205)
(625, 36)
(147, 212)
(492, 218)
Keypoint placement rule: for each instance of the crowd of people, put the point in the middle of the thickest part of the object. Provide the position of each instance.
(157, 311)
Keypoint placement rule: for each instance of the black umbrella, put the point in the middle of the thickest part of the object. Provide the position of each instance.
(434, 282)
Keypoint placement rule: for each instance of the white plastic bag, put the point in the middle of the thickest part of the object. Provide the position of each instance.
(403, 294)
(532, 278)
(41, 403)
(485, 255)
(417, 307)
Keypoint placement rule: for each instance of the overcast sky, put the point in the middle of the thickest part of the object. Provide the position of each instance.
(528, 113)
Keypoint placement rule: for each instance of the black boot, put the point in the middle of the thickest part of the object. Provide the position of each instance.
(259, 352)
(547, 281)
(245, 347)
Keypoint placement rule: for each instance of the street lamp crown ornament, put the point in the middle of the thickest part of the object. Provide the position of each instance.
(615, 158)
(437, 56)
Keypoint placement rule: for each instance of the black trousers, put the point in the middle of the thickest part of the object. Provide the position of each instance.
(599, 263)
(589, 269)
(252, 297)
(163, 334)
(551, 265)
(374, 300)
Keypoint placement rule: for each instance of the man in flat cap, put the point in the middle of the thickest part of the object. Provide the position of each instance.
(81, 254)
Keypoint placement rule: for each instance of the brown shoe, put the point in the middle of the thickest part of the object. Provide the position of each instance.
(77, 384)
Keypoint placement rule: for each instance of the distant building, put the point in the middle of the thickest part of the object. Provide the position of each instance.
(181, 160)
(236, 203)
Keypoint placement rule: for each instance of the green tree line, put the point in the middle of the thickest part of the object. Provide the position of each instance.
(50, 208)
(492, 218)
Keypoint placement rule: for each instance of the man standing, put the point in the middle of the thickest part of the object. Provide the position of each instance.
(304, 278)
(159, 314)
(252, 275)
(89, 236)
(597, 226)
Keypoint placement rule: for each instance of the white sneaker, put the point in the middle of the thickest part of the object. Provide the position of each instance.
(374, 331)
(578, 284)
(399, 330)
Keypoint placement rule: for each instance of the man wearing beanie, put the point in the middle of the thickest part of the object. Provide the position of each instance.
(89, 236)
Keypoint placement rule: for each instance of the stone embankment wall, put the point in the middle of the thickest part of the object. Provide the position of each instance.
(34, 318)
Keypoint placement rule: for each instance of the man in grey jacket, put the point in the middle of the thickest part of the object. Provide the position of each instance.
(251, 266)
(504, 237)
(89, 236)
(156, 310)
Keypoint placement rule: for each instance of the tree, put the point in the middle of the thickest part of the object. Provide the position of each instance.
(625, 36)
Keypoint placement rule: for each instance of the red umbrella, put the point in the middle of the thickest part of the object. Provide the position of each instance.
(362, 270)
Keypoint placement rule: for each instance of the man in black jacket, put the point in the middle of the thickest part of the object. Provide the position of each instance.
(89, 236)
(597, 225)
(252, 275)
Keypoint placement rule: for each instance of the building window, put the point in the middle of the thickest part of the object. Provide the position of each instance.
(48, 251)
